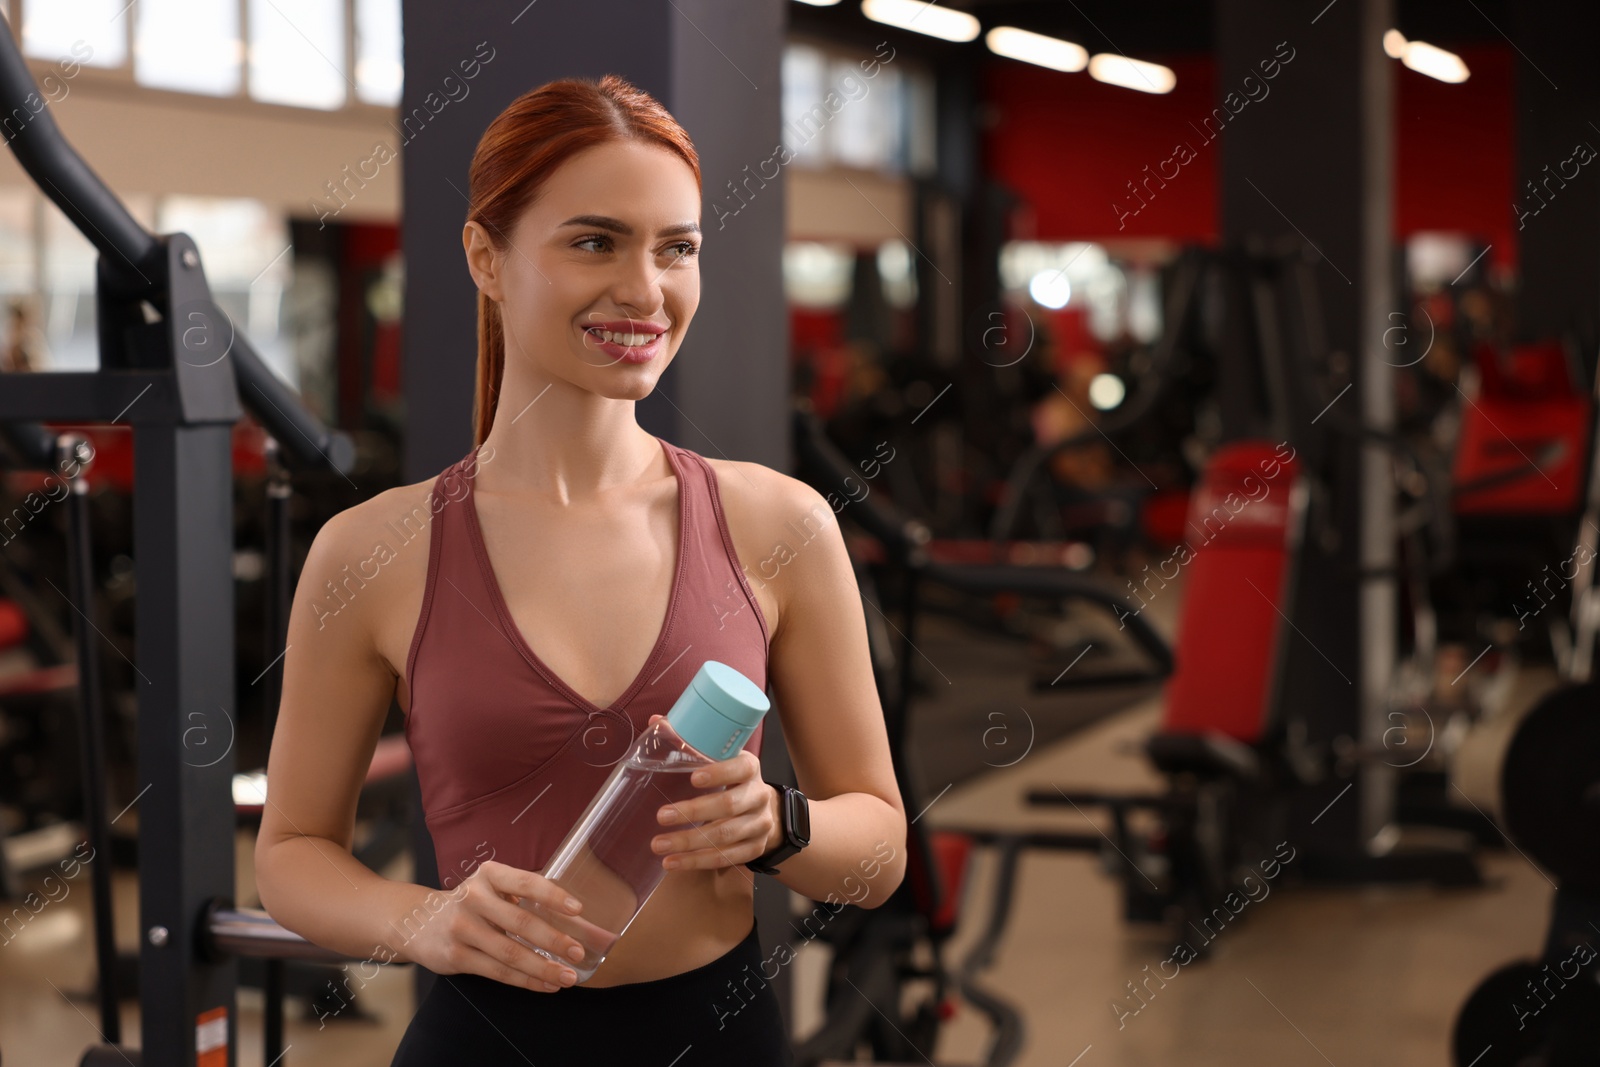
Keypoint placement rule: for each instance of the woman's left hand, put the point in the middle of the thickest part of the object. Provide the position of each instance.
(737, 824)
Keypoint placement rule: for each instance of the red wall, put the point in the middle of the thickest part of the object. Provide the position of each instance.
(1069, 145)
(1456, 153)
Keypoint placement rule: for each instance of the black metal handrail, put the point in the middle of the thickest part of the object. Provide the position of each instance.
(154, 315)
(133, 266)
(251, 932)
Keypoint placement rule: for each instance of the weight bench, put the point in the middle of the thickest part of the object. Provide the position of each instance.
(1221, 743)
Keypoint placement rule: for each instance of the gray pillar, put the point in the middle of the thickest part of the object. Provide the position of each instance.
(715, 66)
(1556, 199)
(1311, 161)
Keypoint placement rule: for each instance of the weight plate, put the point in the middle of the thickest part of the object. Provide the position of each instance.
(1550, 786)
(1505, 1023)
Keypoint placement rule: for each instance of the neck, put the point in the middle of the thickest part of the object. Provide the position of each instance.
(555, 440)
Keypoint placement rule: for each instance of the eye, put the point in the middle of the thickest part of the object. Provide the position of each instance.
(686, 249)
(591, 237)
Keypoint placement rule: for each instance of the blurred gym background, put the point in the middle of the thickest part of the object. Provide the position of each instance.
(1029, 290)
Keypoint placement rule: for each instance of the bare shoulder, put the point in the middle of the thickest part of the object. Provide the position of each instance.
(339, 663)
(369, 563)
(355, 529)
(772, 517)
(758, 488)
(768, 504)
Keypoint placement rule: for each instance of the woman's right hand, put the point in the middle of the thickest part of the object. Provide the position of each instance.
(470, 934)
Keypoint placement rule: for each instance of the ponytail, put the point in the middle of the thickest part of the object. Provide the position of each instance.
(491, 368)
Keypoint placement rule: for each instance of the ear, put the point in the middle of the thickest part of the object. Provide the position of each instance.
(482, 260)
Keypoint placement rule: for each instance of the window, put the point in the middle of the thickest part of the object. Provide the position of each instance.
(835, 113)
(1117, 295)
(67, 294)
(188, 47)
(47, 266)
(51, 28)
(242, 244)
(817, 274)
(897, 272)
(805, 73)
(292, 52)
(21, 347)
(297, 52)
(379, 58)
(868, 131)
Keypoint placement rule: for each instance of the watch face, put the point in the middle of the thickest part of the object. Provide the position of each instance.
(800, 816)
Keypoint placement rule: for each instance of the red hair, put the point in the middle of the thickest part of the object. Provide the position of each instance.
(523, 146)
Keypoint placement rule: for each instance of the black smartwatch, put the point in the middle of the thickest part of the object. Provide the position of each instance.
(796, 811)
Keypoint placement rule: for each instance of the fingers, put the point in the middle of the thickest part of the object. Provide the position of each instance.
(724, 843)
(709, 807)
(516, 919)
(477, 945)
(502, 916)
(528, 885)
(744, 767)
(512, 969)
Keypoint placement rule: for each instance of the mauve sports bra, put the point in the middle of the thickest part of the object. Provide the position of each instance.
(507, 754)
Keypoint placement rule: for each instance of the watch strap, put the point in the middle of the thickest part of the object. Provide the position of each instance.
(767, 863)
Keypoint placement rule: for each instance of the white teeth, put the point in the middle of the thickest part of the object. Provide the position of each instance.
(631, 340)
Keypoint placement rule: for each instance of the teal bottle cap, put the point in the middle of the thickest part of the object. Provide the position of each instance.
(718, 710)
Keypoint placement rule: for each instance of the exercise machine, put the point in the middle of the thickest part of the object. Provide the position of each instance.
(1228, 747)
(1238, 750)
(1545, 1012)
(880, 955)
(39, 738)
(172, 367)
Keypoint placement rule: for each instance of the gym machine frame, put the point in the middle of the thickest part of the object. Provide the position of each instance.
(1269, 287)
(873, 950)
(172, 367)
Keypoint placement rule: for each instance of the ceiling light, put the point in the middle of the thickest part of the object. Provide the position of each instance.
(1132, 73)
(1424, 58)
(1036, 48)
(928, 18)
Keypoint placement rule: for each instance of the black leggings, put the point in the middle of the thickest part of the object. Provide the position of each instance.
(724, 1013)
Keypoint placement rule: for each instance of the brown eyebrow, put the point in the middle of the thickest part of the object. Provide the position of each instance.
(606, 222)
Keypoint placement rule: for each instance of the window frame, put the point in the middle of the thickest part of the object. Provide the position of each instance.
(121, 78)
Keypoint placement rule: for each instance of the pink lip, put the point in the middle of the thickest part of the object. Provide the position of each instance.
(627, 354)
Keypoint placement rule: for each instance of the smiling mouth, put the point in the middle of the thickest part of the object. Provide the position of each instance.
(627, 340)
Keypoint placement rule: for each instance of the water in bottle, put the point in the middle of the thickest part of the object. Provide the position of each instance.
(606, 861)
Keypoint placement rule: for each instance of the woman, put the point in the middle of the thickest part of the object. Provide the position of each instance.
(616, 555)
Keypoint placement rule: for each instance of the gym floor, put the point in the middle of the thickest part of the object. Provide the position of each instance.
(1371, 975)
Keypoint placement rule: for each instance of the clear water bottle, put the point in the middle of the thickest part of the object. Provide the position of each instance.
(606, 861)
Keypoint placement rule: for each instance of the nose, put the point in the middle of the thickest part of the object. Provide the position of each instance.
(637, 285)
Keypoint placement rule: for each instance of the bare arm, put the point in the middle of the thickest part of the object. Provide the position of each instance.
(336, 695)
(337, 687)
(821, 674)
